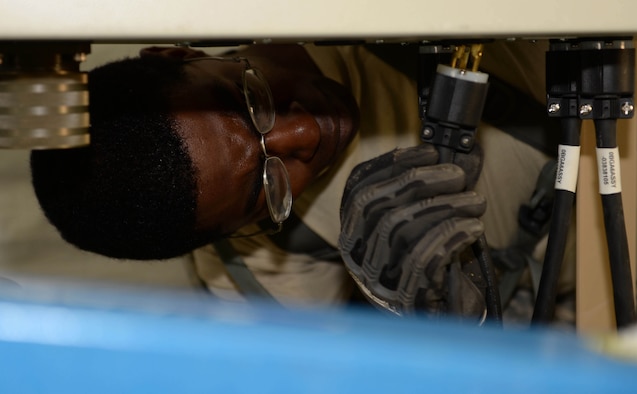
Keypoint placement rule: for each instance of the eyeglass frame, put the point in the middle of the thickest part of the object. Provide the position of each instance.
(251, 110)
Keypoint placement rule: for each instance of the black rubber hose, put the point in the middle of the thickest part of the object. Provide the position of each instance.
(616, 238)
(558, 232)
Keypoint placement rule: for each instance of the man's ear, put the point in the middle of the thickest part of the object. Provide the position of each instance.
(172, 52)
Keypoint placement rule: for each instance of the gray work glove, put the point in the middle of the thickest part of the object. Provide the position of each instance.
(406, 223)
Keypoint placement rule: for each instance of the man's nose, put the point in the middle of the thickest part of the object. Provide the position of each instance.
(296, 134)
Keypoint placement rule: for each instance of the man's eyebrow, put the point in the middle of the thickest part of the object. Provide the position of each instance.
(226, 98)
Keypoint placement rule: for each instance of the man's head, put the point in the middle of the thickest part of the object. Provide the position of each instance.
(112, 196)
(175, 161)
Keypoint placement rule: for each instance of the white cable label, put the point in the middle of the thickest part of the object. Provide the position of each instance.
(567, 167)
(608, 170)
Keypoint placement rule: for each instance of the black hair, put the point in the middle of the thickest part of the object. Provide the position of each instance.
(132, 193)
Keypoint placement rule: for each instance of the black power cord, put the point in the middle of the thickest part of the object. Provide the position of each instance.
(452, 99)
(589, 79)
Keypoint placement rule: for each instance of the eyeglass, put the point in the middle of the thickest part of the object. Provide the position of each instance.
(276, 181)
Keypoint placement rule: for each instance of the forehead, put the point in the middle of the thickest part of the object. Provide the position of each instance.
(213, 121)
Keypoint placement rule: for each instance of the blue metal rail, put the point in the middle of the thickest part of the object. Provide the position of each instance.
(117, 341)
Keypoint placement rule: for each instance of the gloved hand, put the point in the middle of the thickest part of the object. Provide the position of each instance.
(405, 220)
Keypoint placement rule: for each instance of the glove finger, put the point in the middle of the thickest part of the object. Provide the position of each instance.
(422, 273)
(389, 165)
(428, 261)
(401, 228)
(360, 215)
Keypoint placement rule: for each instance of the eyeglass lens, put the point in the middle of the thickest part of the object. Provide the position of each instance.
(276, 182)
(259, 99)
(277, 189)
